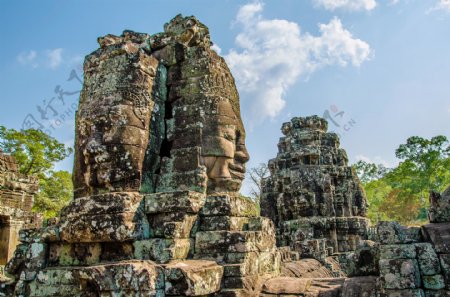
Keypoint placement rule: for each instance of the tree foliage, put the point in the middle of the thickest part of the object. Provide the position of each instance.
(36, 154)
(401, 193)
(369, 171)
(55, 192)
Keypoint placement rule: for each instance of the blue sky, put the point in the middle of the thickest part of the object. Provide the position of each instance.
(384, 63)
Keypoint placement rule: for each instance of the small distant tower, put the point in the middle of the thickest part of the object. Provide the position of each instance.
(312, 195)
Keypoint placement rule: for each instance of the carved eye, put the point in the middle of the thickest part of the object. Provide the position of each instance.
(229, 136)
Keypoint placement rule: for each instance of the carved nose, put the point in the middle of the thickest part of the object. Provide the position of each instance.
(220, 168)
(241, 154)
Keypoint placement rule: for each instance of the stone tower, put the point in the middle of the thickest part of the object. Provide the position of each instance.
(312, 195)
(159, 160)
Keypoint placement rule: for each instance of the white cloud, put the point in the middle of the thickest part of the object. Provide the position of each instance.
(51, 58)
(54, 57)
(28, 58)
(274, 54)
(216, 48)
(375, 160)
(443, 5)
(350, 5)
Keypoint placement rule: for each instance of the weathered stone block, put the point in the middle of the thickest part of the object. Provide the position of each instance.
(105, 227)
(428, 259)
(186, 159)
(192, 277)
(433, 282)
(161, 250)
(39, 290)
(229, 205)
(116, 251)
(108, 203)
(17, 261)
(364, 261)
(130, 275)
(400, 274)
(35, 259)
(445, 264)
(240, 282)
(439, 211)
(224, 223)
(264, 242)
(64, 254)
(360, 286)
(398, 251)
(269, 263)
(228, 258)
(390, 233)
(226, 241)
(240, 269)
(265, 225)
(171, 225)
(286, 285)
(180, 201)
(439, 235)
(439, 293)
(119, 279)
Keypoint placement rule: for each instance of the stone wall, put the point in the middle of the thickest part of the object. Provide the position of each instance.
(16, 201)
(415, 261)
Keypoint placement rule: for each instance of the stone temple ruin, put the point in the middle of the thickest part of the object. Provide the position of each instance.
(16, 201)
(159, 160)
(312, 195)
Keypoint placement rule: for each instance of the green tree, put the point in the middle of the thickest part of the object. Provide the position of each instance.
(425, 165)
(375, 186)
(368, 172)
(36, 154)
(55, 192)
(402, 193)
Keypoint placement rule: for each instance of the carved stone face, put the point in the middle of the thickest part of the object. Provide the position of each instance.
(110, 152)
(112, 128)
(223, 149)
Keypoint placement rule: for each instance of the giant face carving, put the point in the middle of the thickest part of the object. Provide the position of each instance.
(223, 149)
(112, 125)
